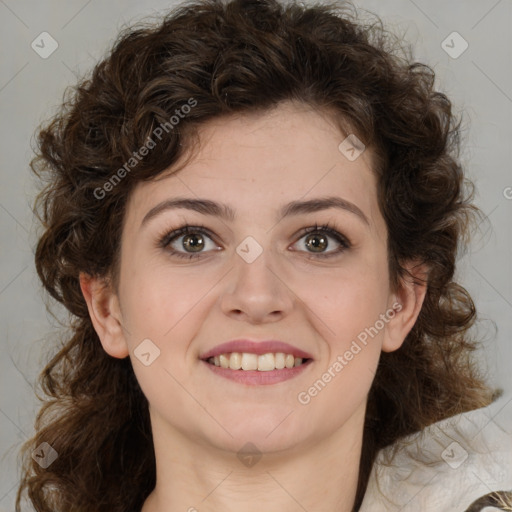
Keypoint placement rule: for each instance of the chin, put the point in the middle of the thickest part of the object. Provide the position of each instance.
(268, 433)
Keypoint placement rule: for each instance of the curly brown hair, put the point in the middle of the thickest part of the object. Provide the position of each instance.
(240, 57)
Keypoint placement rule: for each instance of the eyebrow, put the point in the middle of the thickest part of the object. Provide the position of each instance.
(223, 211)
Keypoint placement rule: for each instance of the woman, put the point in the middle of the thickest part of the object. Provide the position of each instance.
(252, 214)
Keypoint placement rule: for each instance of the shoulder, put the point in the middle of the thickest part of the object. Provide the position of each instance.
(451, 465)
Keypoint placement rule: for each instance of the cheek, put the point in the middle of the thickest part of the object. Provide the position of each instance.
(156, 300)
(339, 389)
(168, 308)
(347, 312)
(168, 315)
(345, 301)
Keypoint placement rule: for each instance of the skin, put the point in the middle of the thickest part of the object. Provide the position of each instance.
(310, 453)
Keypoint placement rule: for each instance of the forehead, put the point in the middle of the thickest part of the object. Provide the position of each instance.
(257, 162)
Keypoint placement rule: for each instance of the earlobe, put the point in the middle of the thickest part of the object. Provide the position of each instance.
(408, 301)
(105, 314)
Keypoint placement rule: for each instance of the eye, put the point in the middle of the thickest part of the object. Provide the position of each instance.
(188, 241)
(193, 241)
(316, 241)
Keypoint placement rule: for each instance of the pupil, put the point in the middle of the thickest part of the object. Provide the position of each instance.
(316, 241)
(193, 242)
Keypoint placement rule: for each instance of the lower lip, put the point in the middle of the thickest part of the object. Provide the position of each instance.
(257, 378)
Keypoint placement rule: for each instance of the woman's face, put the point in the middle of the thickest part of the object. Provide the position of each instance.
(258, 275)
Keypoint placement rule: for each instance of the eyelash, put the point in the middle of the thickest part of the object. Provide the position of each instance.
(327, 228)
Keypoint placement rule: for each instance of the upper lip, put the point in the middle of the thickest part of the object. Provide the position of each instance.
(255, 347)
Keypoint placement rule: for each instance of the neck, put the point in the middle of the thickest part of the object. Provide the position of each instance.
(320, 475)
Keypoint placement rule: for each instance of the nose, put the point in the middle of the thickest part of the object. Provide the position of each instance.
(256, 292)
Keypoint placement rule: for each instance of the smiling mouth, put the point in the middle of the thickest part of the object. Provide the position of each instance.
(249, 362)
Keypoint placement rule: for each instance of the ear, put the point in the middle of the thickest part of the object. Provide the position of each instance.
(406, 306)
(105, 313)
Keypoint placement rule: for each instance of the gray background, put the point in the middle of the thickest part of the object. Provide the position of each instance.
(479, 82)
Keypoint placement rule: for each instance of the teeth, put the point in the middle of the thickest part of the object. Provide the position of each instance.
(266, 362)
(249, 361)
(263, 363)
(235, 361)
(279, 360)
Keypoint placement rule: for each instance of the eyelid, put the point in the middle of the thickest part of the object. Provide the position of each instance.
(332, 231)
(185, 229)
(328, 228)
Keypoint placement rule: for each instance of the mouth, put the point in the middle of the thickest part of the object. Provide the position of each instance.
(246, 361)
